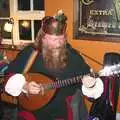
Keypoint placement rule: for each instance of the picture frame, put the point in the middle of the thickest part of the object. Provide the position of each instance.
(96, 20)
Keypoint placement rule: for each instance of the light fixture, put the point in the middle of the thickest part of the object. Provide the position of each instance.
(8, 27)
(25, 24)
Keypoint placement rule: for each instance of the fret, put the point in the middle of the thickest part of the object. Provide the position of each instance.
(58, 83)
(66, 82)
(53, 84)
(78, 78)
(63, 83)
(74, 80)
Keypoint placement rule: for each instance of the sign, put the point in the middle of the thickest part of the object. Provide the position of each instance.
(96, 20)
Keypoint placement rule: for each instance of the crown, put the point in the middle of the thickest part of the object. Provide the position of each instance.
(54, 24)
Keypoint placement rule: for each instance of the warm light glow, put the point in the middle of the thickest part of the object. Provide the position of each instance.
(25, 24)
(8, 27)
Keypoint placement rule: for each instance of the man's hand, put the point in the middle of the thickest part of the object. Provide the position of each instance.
(33, 88)
(88, 81)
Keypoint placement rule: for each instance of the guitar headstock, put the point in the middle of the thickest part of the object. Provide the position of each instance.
(110, 70)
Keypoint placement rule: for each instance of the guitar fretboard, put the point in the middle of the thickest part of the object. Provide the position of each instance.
(63, 83)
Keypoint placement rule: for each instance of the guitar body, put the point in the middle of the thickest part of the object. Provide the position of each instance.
(34, 102)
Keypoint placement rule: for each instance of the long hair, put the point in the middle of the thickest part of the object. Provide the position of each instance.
(53, 26)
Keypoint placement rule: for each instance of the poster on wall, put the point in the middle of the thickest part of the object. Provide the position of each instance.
(96, 20)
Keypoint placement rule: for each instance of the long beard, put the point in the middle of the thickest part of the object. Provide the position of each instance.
(55, 59)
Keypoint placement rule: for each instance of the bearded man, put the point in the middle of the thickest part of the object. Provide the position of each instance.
(56, 59)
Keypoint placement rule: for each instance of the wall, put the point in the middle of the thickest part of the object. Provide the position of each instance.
(93, 49)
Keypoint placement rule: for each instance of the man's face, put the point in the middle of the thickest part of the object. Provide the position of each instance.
(54, 51)
(53, 41)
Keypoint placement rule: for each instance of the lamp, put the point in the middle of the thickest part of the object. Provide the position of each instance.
(8, 27)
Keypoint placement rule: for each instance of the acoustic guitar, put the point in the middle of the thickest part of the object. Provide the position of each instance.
(34, 102)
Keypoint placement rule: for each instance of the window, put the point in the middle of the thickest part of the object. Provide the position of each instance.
(27, 15)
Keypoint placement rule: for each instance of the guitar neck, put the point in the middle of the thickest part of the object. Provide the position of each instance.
(63, 83)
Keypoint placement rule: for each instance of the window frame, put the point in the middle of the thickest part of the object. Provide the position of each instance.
(22, 15)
